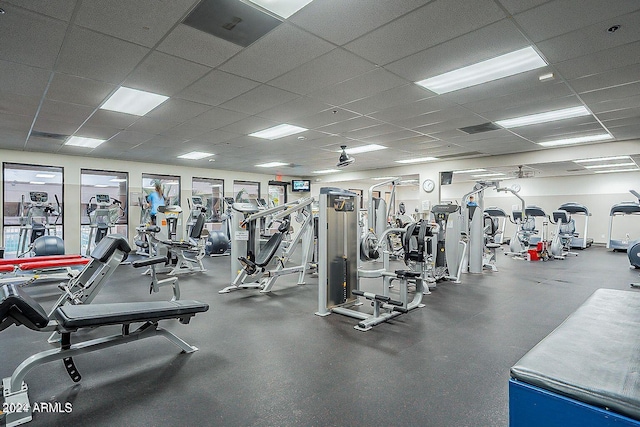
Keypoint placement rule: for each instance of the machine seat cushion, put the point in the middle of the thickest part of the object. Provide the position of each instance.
(16, 304)
(7, 268)
(109, 245)
(92, 315)
(16, 261)
(269, 250)
(593, 356)
(56, 263)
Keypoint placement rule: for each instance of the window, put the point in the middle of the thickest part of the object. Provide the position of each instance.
(32, 195)
(246, 191)
(170, 186)
(277, 193)
(212, 192)
(103, 198)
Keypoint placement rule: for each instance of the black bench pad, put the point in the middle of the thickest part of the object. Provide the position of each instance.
(16, 304)
(593, 356)
(91, 315)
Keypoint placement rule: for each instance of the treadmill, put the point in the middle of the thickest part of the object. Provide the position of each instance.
(623, 208)
(580, 241)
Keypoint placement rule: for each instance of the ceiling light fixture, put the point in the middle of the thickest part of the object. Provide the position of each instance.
(492, 69)
(617, 170)
(613, 165)
(577, 140)
(195, 155)
(363, 148)
(470, 171)
(271, 165)
(101, 185)
(548, 76)
(45, 175)
(133, 101)
(327, 171)
(118, 180)
(36, 182)
(283, 8)
(548, 116)
(279, 131)
(81, 141)
(383, 178)
(602, 159)
(417, 160)
(484, 175)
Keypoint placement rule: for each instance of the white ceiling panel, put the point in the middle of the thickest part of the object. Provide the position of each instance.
(331, 68)
(216, 88)
(20, 43)
(177, 110)
(98, 57)
(154, 126)
(359, 87)
(626, 132)
(131, 138)
(215, 137)
(488, 42)
(59, 9)
(425, 27)
(604, 60)
(324, 118)
(111, 119)
(20, 105)
(78, 90)
(401, 112)
(54, 126)
(197, 46)
(541, 93)
(185, 131)
(299, 107)
(371, 131)
(43, 144)
(628, 113)
(259, 99)
(593, 38)
(533, 107)
(249, 125)
(397, 139)
(388, 99)
(164, 74)
(454, 112)
(99, 132)
(616, 92)
(15, 123)
(272, 56)
(143, 22)
(349, 125)
(216, 118)
(342, 21)
(619, 76)
(23, 79)
(517, 6)
(560, 17)
(163, 142)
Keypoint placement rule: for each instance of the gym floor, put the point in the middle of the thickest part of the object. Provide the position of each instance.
(266, 360)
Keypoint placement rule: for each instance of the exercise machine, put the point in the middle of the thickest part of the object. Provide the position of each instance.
(565, 227)
(532, 212)
(451, 242)
(219, 241)
(103, 216)
(499, 218)
(579, 240)
(35, 219)
(262, 270)
(18, 308)
(621, 209)
(338, 260)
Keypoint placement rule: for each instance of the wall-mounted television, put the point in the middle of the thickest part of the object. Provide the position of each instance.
(301, 185)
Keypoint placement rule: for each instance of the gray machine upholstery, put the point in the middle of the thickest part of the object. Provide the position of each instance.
(593, 356)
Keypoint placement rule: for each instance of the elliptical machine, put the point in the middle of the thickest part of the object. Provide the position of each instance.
(35, 222)
(219, 241)
(103, 216)
(565, 229)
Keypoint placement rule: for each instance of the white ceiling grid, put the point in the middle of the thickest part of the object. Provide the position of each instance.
(343, 69)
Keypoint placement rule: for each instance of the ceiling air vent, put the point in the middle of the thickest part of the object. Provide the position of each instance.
(484, 127)
(231, 20)
(48, 135)
(470, 153)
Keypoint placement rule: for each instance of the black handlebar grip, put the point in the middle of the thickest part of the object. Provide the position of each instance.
(150, 261)
(142, 244)
(394, 302)
(400, 309)
(153, 229)
(357, 292)
(382, 298)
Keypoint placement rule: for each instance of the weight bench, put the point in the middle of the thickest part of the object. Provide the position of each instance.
(21, 267)
(18, 308)
(585, 373)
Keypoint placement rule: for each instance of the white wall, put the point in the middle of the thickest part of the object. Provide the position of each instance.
(73, 164)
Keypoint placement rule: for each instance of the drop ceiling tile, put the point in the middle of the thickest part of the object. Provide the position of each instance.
(391, 138)
(616, 77)
(485, 43)
(98, 57)
(43, 144)
(342, 21)
(216, 88)
(271, 56)
(142, 22)
(620, 115)
(324, 118)
(185, 131)
(532, 108)
(21, 44)
(598, 62)
(413, 109)
(517, 6)
(215, 137)
(54, 126)
(358, 87)
(99, 132)
(197, 46)
(425, 27)
(560, 17)
(23, 79)
(111, 119)
(154, 126)
(591, 39)
(59, 9)
(177, 110)
(162, 142)
(164, 74)
(78, 90)
(216, 118)
(454, 112)
(331, 68)
(15, 123)
(612, 93)
(249, 125)
(21, 105)
(571, 127)
(349, 125)
(372, 131)
(545, 91)
(388, 99)
(299, 107)
(131, 138)
(626, 132)
(259, 99)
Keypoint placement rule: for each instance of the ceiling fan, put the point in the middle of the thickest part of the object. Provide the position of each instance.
(520, 173)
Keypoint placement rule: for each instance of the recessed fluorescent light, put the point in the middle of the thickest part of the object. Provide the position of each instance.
(36, 182)
(170, 183)
(118, 180)
(382, 178)
(548, 76)
(45, 175)
(417, 160)
(195, 155)
(483, 175)
(470, 171)
(271, 165)
(602, 159)
(81, 141)
(327, 171)
(363, 149)
(101, 185)
(284, 8)
(133, 101)
(492, 69)
(577, 140)
(617, 170)
(279, 131)
(614, 165)
(548, 116)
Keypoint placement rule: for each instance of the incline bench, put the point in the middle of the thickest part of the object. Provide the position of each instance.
(16, 307)
(586, 372)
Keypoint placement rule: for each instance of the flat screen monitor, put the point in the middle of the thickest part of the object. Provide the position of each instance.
(301, 185)
(446, 178)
